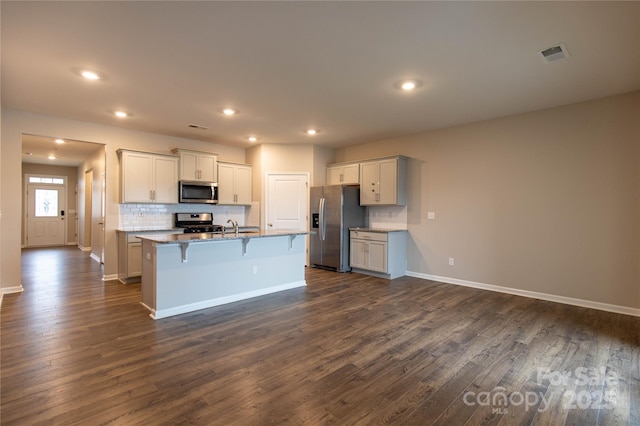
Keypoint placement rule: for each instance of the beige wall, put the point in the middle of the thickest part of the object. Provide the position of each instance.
(71, 173)
(545, 202)
(15, 123)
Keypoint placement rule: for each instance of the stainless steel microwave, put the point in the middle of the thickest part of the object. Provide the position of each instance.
(198, 192)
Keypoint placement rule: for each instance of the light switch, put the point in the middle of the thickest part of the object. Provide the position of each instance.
(431, 215)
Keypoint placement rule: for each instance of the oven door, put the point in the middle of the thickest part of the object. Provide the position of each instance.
(198, 192)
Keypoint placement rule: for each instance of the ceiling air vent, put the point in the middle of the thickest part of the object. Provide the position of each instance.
(197, 126)
(554, 53)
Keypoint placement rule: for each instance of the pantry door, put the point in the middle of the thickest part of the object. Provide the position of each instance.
(46, 215)
(287, 201)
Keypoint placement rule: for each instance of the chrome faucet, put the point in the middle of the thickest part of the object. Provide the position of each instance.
(234, 223)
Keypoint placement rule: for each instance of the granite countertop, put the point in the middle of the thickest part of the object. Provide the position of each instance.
(161, 238)
(147, 229)
(380, 230)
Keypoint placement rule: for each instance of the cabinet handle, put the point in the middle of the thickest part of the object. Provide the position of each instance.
(341, 177)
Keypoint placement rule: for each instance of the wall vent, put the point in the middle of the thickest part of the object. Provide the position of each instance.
(554, 53)
(197, 126)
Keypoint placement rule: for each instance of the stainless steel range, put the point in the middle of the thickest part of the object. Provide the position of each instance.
(196, 223)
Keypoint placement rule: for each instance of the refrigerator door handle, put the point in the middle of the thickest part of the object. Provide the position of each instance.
(322, 224)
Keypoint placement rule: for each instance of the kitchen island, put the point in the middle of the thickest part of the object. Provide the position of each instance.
(187, 272)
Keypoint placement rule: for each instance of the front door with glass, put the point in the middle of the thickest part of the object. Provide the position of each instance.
(45, 215)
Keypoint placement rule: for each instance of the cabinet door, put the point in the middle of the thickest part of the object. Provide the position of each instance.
(377, 251)
(243, 185)
(334, 175)
(351, 174)
(166, 180)
(388, 178)
(188, 166)
(358, 254)
(134, 259)
(226, 190)
(137, 177)
(207, 168)
(368, 183)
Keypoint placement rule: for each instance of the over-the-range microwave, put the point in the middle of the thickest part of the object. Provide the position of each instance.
(198, 192)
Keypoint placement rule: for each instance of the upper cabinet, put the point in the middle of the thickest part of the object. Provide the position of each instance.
(197, 166)
(234, 183)
(383, 181)
(343, 174)
(148, 178)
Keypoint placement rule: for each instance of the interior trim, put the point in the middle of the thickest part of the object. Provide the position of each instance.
(626, 310)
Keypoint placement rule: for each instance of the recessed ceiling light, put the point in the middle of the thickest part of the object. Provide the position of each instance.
(90, 75)
(120, 114)
(408, 85)
(229, 111)
(312, 132)
(253, 139)
(59, 141)
(51, 157)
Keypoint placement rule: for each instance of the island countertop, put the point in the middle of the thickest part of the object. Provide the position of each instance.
(162, 238)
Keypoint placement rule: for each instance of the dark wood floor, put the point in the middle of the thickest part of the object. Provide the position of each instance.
(347, 349)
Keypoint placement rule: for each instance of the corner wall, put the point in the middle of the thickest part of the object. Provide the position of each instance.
(544, 202)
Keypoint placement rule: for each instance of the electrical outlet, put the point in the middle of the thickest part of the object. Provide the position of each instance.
(431, 215)
(390, 215)
(140, 212)
(254, 270)
(452, 261)
(148, 256)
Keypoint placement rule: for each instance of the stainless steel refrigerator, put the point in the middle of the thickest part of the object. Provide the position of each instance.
(334, 209)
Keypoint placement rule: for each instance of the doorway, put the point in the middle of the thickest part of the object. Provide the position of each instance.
(45, 213)
(88, 210)
(287, 201)
(86, 192)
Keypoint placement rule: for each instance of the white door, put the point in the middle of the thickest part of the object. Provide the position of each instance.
(45, 215)
(287, 201)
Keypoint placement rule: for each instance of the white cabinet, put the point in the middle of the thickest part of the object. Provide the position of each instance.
(148, 178)
(343, 174)
(129, 258)
(383, 181)
(197, 166)
(369, 251)
(234, 183)
(381, 254)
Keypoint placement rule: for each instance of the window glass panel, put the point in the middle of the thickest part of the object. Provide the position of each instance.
(46, 180)
(33, 179)
(58, 181)
(46, 203)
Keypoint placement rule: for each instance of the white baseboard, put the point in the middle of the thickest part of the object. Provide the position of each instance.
(95, 257)
(109, 277)
(183, 309)
(15, 289)
(83, 248)
(626, 310)
(71, 243)
(9, 290)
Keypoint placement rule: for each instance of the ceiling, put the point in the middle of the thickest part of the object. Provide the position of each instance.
(37, 149)
(289, 66)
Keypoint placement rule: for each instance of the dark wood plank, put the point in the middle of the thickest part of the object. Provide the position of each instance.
(347, 349)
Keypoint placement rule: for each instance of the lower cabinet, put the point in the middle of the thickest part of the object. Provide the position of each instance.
(130, 254)
(129, 257)
(379, 253)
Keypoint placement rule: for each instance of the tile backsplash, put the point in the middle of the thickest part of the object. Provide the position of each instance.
(161, 216)
(387, 217)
